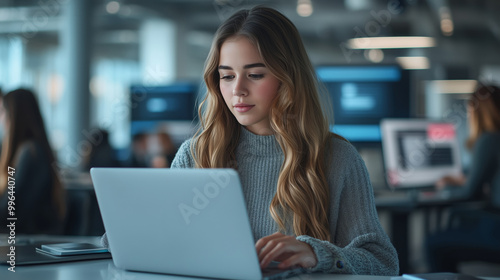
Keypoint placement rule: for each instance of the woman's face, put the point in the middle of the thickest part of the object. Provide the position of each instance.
(246, 84)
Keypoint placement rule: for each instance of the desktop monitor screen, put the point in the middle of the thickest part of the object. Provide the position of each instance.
(417, 153)
(363, 95)
(163, 103)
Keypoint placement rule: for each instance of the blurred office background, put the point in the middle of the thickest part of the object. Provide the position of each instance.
(126, 74)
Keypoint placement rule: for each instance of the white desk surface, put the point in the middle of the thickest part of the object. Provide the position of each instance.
(105, 270)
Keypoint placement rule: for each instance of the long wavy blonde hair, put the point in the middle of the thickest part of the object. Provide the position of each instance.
(298, 120)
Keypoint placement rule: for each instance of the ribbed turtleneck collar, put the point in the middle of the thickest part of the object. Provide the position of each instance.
(259, 145)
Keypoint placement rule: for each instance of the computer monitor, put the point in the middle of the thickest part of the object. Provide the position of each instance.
(163, 103)
(362, 95)
(167, 109)
(419, 152)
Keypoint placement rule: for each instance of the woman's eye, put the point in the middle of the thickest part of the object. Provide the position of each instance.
(227, 77)
(256, 76)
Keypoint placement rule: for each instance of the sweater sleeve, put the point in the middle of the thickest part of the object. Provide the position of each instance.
(359, 244)
(183, 158)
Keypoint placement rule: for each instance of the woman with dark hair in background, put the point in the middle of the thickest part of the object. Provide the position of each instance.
(477, 236)
(39, 194)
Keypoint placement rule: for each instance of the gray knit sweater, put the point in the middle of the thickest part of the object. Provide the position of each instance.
(359, 244)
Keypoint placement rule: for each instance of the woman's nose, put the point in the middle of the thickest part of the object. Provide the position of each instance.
(239, 88)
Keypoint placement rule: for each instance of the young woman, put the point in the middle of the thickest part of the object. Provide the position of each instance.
(307, 191)
(39, 196)
(484, 135)
(477, 238)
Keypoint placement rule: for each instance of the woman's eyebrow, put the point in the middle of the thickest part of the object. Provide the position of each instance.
(253, 65)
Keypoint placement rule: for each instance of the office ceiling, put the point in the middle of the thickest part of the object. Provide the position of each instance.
(475, 40)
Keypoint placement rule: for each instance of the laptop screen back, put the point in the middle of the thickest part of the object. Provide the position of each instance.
(177, 221)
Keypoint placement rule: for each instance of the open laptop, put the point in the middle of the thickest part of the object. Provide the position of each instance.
(418, 152)
(179, 221)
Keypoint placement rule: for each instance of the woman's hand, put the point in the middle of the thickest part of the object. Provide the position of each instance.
(450, 181)
(285, 249)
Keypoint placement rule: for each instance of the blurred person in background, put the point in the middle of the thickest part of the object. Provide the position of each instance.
(474, 234)
(101, 154)
(39, 194)
(163, 150)
(139, 150)
(2, 128)
(155, 150)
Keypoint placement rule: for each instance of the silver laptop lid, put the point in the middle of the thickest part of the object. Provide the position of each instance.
(177, 221)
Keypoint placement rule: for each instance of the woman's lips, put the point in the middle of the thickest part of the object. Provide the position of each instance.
(242, 108)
